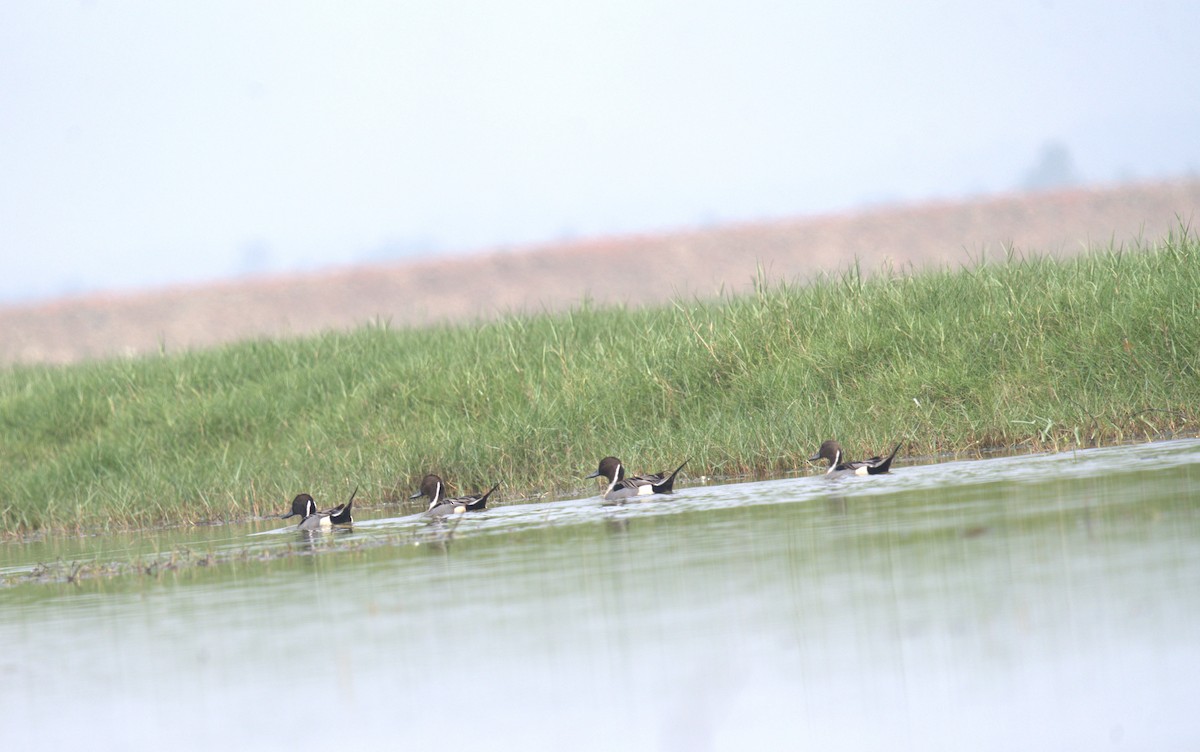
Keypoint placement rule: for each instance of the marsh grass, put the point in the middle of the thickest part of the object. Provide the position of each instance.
(1027, 352)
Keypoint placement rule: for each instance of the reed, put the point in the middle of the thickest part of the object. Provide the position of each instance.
(1026, 352)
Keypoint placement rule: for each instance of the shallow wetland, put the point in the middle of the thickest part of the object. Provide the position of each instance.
(1033, 602)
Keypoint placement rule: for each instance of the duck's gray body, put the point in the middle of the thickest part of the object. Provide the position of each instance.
(439, 506)
(620, 488)
(315, 521)
(839, 466)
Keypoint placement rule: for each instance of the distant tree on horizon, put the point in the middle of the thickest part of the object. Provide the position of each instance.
(1054, 168)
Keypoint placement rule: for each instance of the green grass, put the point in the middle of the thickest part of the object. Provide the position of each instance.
(1028, 352)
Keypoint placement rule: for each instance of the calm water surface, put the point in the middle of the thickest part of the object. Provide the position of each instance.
(1046, 603)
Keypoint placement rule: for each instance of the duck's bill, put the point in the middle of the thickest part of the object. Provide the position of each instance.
(593, 475)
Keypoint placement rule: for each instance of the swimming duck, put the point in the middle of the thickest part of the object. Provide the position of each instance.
(839, 465)
(620, 487)
(311, 518)
(439, 506)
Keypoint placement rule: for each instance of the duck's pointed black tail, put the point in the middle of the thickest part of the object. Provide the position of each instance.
(884, 466)
(666, 486)
(481, 502)
(340, 515)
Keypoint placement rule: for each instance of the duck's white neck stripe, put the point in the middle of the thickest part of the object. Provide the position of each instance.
(437, 496)
(617, 477)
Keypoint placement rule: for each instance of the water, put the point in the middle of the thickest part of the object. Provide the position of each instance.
(1046, 603)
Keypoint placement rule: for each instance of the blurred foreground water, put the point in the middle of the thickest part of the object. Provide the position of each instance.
(1036, 603)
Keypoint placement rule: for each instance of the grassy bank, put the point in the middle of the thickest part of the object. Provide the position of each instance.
(1027, 352)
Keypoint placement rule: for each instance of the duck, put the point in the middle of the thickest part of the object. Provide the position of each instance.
(839, 465)
(621, 488)
(440, 506)
(305, 507)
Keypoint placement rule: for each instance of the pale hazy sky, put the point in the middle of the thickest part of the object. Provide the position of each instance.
(145, 143)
